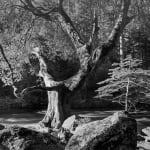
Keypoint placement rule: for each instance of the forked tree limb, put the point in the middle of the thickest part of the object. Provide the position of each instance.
(28, 90)
(32, 89)
(48, 15)
(93, 41)
(121, 22)
(84, 57)
(117, 30)
(28, 5)
(76, 38)
(106, 48)
(73, 33)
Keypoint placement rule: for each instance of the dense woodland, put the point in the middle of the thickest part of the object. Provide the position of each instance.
(80, 51)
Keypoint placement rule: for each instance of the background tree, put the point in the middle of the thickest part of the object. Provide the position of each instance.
(135, 42)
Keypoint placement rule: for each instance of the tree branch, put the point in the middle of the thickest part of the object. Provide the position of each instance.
(122, 21)
(112, 40)
(68, 26)
(93, 41)
(84, 58)
(102, 53)
(32, 89)
(37, 11)
(78, 42)
(66, 21)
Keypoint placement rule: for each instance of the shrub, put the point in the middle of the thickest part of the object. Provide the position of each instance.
(128, 84)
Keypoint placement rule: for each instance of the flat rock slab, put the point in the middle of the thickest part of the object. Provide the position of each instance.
(116, 132)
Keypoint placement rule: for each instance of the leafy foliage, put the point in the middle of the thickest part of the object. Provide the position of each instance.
(15, 25)
(127, 81)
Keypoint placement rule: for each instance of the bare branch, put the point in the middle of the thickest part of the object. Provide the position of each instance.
(54, 85)
(84, 58)
(32, 89)
(13, 6)
(79, 43)
(30, 28)
(122, 21)
(102, 54)
(68, 25)
(93, 41)
(64, 19)
(35, 88)
(37, 11)
(72, 31)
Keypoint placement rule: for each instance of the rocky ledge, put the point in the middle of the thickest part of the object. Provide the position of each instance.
(116, 132)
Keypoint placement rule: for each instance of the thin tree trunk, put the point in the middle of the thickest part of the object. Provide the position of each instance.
(54, 115)
(121, 49)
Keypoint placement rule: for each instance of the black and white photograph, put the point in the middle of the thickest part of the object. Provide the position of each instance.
(74, 74)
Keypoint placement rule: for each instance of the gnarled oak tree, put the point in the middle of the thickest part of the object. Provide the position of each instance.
(91, 57)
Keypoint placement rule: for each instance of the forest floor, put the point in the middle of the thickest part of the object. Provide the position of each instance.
(27, 118)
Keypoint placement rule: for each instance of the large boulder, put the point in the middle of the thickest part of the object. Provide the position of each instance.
(117, 132)
(146, 131)
(143, 140)
(69, 127)
(70, 123)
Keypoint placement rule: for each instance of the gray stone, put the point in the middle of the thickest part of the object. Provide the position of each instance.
(146, 131)
(70, 123)
(67, 129)
(116, 132)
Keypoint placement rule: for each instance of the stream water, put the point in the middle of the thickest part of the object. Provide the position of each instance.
(27, 117)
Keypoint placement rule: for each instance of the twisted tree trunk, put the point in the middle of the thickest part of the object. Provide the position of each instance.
(54, 115)
(91, 58)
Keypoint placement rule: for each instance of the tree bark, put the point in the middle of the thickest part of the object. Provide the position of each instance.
(54, 115)
(58, 109)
